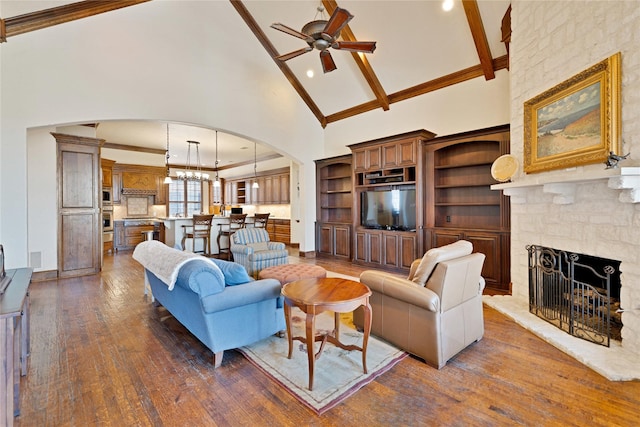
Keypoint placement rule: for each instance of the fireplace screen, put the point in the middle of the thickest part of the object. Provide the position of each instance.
(577, 293)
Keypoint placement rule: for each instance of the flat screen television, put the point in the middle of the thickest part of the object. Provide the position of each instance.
(389, 209)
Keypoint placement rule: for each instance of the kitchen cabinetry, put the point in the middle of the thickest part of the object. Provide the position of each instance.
(461, 204)
(273, 189)
(334, 206)
(106, 166)
(129, 233)
(162, 190)
(279, 230)
(116, 179)
(386, 165)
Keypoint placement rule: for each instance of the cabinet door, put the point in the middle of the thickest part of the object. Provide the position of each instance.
(375, 247)
(489, 245)
(285, 196)
(116, 180)
(408, 250)
(161, 192)
(360, 250)
(374, 158)
(390, 250)
(342, 241)
(275, 189)
(407, 153)
(390, 155)
(359, 160)
(325, 239)
(107, 180)
(267, 183)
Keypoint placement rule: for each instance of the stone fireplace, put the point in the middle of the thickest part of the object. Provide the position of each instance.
(586, 210)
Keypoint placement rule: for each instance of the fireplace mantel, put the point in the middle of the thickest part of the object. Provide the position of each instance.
(563, 185)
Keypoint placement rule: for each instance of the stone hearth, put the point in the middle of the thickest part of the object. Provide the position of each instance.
(586, 210)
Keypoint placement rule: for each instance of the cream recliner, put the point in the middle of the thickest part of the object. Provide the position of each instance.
(434, 313)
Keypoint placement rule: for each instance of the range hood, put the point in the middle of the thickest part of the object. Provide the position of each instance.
(139, 184)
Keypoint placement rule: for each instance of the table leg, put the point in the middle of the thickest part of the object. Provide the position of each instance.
(336, 322)
(287, 318)
(367, 329)
(26, 335)
(6, 371)
(311, 339)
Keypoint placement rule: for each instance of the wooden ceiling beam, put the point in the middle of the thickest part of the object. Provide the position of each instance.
(271, 50)
(33, 21)
(423, 88)
(361, 61)
(479, 37)
(136, 148)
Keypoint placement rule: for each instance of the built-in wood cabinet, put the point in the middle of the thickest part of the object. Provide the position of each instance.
(273, 189)
(391, 165)
(128, 234)
(106, 166)
(460, 202)
(279, 230)
(79, 201)
(334, 207)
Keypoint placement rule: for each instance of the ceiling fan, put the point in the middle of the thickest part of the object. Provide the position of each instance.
(322, 35)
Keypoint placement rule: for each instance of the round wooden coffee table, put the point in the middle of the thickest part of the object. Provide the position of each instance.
(313, 296)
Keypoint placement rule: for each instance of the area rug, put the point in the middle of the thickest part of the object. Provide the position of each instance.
(338, 373)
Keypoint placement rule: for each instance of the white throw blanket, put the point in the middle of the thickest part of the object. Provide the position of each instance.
(163, 261)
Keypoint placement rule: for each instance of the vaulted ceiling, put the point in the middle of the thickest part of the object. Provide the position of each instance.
(420, 48)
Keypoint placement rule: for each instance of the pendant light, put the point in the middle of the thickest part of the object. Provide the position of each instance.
(255, 168)
(195, 174)
(167, 179)
(216, 183)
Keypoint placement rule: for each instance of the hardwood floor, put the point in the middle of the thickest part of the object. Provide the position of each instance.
(101, 354)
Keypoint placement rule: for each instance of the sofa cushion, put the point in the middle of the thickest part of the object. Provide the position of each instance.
(201, 276)
(234, 274)
(436, 255)
(259, 246)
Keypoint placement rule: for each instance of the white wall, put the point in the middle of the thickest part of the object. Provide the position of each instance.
(163, 60)
(551, 42)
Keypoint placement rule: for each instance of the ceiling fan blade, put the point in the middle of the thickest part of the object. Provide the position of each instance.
(288, 56)
(292, 32)
(338, 20)
(355, 46)
(327, 61)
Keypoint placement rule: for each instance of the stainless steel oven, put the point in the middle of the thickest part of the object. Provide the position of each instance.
(107, 220)
(107, 199)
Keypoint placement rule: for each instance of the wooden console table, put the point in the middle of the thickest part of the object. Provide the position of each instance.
(14, 342)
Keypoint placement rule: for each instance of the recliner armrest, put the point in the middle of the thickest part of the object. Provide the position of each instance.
(401, 289)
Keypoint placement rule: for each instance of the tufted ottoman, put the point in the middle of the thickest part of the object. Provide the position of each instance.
(286, 273)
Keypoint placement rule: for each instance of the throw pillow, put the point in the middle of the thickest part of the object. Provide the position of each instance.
(234, 274)
(259, 246)
(435, 255)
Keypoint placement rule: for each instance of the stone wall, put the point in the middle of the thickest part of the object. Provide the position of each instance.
(552, 41)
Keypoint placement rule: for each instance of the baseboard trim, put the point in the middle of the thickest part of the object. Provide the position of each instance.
(43, 276)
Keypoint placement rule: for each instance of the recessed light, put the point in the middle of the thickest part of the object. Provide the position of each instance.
(310, 73)
(447, 5)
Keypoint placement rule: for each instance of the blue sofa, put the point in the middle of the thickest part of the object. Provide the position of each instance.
(207, 298)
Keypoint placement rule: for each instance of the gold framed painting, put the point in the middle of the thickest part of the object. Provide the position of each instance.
(576, 122)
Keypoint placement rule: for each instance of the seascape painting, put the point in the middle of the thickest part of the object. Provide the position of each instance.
(571, 123)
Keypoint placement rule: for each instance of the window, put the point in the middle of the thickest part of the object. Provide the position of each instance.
(185, 198)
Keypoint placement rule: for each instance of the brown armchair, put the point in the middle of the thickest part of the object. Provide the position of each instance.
(434, 321)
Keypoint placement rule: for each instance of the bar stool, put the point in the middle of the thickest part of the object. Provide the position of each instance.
(260, 220)
(200, 229)
(236, 222)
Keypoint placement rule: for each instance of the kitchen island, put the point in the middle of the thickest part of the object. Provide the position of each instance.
(174, 232)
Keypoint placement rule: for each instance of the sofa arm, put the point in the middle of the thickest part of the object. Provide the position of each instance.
(241, 249)
(400, 289)
(239, 295)
(276, 246)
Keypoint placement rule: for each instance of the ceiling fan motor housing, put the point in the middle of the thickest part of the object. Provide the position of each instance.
(314, 29)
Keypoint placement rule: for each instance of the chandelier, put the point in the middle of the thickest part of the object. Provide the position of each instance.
(194, 174)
